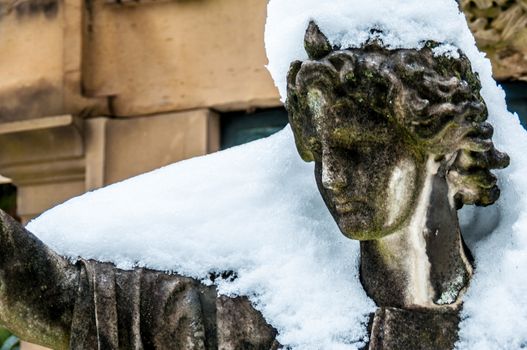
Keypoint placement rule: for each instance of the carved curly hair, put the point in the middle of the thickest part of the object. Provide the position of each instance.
(433, 100)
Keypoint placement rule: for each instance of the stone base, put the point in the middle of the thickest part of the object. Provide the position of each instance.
(398, 329)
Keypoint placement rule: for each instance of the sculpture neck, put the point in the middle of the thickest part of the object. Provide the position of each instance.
(424, 263)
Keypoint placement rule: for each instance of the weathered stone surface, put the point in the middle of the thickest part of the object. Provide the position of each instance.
(118, 309)
(400, 142)
(93, 305)
(89, 58)
(316, 44)
(168, 66)
(241, 327)
(397, 329)
(27, 8)
(37, 287)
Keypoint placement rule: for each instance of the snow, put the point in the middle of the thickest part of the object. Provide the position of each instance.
(495, 307)
(348, 23)
(256, 210)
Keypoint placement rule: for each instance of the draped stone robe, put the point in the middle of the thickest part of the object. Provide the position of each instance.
(93, 305)
(145, 309)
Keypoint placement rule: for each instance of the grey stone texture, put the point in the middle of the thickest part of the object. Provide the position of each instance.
(400, 142)
(93, 305)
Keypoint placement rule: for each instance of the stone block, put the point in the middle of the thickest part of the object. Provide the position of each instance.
(118, 148)
(160, 56)
(31, 61)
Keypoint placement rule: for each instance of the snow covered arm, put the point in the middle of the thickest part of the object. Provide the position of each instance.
(37, 287)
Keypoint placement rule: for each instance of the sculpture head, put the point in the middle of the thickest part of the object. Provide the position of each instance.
(372, 118)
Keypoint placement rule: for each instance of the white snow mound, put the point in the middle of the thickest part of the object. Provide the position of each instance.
(255, 209)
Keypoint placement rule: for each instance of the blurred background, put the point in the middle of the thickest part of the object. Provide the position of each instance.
(95, 91)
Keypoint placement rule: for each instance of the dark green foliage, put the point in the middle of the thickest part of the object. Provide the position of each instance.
(8, 341)
(4, 334)
(8, 198)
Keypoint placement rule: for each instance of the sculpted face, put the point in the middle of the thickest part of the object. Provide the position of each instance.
(368, 180)
(370, 119)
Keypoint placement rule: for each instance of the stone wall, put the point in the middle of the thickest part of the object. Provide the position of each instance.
(93, 92)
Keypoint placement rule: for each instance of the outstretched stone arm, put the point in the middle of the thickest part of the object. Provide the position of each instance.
(37, 287)
(89, 305)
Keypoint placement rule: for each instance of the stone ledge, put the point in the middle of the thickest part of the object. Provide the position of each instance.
(36, 124)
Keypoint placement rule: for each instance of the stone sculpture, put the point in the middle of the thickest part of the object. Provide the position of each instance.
(48, 300)
(400, 143)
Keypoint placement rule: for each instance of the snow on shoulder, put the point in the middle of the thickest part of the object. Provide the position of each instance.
(255, 209)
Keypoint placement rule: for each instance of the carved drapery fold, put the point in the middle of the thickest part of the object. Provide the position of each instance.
(146, 309)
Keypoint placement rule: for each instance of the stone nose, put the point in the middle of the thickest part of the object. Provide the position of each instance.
(333, 173)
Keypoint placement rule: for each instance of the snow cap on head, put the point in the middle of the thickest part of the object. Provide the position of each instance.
(350, 23)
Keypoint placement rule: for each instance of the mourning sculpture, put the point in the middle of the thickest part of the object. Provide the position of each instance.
(399, 141)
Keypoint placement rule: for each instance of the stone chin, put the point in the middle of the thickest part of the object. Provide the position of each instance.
(385, 212)
(362, 228)
(355, 225)
(361, 221)
(360, 232)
